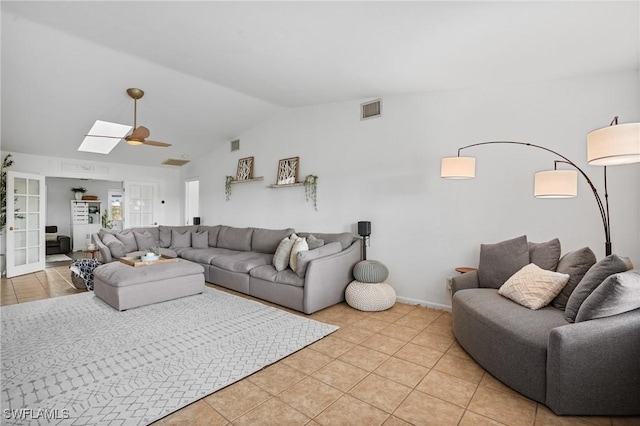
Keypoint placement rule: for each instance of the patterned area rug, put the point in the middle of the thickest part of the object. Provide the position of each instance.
(76, 360)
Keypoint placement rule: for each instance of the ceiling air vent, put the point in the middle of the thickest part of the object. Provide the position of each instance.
(235, 145)
(175, 162)
(371, 109)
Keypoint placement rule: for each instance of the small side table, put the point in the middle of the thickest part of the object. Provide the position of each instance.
(90, 254)
(465, 269)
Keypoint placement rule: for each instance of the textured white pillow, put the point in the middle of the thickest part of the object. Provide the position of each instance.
(283, 252)
(298, 246)
(533, 287)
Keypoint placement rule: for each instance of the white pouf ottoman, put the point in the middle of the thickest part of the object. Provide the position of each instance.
(370, 296)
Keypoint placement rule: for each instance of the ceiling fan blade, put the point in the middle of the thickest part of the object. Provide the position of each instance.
(156, 143)
(140, 133)
(103, 136)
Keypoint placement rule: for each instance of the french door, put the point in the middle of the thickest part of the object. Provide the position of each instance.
(140, 199)
(25, 223)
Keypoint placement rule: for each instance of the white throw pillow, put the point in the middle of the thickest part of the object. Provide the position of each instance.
(298, 246)
(51, 236)
(533, 287)
(283, 252)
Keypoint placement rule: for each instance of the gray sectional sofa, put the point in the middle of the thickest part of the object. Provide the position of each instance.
(579, 354)
(241, 259)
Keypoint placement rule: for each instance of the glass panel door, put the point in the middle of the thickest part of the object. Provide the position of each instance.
(139, 204)
(25, 223)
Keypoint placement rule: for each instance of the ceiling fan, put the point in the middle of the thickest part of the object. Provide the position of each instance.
(139, 134)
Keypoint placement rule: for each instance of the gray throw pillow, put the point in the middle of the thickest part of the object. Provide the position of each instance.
(200, 239)
(145, 240)
(576, 264)
(180, 240)
(306, 256)
(545, 255)
(498, 262)
(129, 241)
(618, 293)
(314, 242)
(592, 279)
(115, 246)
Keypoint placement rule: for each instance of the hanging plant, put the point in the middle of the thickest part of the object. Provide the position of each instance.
(311, 189)
(227, 186)
(6, 163)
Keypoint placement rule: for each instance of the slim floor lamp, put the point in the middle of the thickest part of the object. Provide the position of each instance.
(616, 144)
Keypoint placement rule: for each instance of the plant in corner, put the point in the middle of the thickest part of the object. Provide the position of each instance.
(311, 189)
(227, 186)
(107, 223)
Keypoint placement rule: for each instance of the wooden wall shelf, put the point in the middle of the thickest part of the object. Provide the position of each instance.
(286, 185)
(255, 179)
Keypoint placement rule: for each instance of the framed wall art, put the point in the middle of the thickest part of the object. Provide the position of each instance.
(288, 171)
(245, 169)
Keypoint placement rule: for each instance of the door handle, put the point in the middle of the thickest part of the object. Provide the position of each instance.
(11, 228)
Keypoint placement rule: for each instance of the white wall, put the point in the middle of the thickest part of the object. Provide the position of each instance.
(168, 179)
(386, 170)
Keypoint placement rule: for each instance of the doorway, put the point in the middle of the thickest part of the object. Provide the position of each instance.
(191, 200)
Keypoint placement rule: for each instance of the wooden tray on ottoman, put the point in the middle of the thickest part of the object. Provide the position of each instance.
(136, 261)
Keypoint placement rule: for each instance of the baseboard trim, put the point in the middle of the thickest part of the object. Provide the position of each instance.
(411, 301)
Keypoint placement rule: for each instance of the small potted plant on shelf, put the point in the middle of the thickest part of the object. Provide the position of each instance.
(227, 186)
(78, 192)
(311, 189)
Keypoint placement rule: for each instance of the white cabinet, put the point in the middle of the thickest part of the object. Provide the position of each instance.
(85, 220)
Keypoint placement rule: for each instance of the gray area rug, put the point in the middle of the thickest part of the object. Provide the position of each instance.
(74, 360)
(57, 258)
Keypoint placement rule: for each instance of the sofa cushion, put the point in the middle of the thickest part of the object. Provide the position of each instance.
(299, 245)
(204, 256)
(165, 233)
(280, 259)
(344, 238)
(179, 239)
(116, 247)
(213, 233)
(145, 239)
(617, 294)
(306, 256)
(314, 242)
(200, 239)
(128, 239)
(235, 238)
(267, 240)
(576, 264)
(242, 261)
(117, 274)
(51, 236)
(592, 279)
(545, 255)
(533, 287)
(269, 273)
(501, 260)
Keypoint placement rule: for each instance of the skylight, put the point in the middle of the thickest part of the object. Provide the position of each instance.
(104, 145)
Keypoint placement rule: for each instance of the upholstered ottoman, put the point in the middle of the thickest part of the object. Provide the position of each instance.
(370, 296)
(125, 287)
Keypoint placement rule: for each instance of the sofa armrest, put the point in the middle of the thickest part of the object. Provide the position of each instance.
(464, 281)
(65, 243)
(593, 367)
(105, 253)
(328, 276)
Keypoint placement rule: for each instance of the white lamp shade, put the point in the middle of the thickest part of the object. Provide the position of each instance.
(556, 184)
(613, 145)
(458, 168)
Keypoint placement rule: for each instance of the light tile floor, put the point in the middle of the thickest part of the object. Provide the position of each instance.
(397, 367)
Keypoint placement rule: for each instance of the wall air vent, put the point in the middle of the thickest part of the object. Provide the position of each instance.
(371, 109)
(235, 145)
(175, 162)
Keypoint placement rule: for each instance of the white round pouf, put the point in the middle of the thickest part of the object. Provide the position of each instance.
(370, 296)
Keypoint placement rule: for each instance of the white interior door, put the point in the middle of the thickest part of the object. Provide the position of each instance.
(140, 200)
(25, 223)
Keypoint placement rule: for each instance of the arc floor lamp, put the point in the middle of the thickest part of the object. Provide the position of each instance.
(607, 146)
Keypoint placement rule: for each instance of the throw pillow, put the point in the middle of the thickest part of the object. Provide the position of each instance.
(500, 261)
(617, 294)
(116, 247)
(314, 242)
(283, 253)
(576, 264)
(180, 240)
(593, 278)
(306, 256)
(145, 240)
(129, 241)
(545, 255)
(299, 245)
(533, 287)
(51, 236)
(200, 239)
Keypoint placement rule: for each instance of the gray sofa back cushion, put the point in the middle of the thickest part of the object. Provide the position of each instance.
(576, 264)
(116, 247)
(545, 255)
(617, 294)
(128, 239)
(592, 279)
(165, 233)
(499, 261)
(267, 240)
(145, 239)
(213, 233)
(235, 238)
(344, 238)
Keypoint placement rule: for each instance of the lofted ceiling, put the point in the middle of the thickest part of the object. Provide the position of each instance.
(212, 70)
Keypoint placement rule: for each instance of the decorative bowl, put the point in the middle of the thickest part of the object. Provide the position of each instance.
(149, 257)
